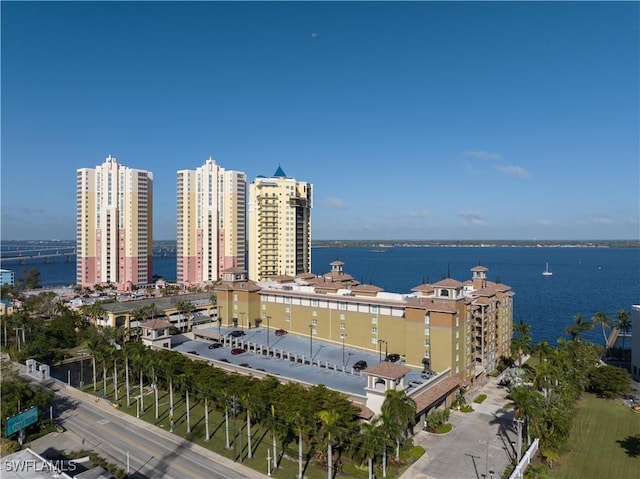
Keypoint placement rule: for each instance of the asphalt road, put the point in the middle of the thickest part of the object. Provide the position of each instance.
(152, 452)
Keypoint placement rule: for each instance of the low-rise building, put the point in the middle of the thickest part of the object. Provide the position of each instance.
(465, 327)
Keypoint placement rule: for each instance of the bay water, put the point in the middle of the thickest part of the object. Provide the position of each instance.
(585, 280)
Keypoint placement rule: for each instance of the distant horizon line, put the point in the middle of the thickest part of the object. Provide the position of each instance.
(403, 240)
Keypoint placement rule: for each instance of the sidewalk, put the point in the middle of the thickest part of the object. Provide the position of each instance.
(107, 406)
(479, 443)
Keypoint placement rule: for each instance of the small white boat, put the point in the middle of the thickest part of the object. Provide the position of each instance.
(546, 272)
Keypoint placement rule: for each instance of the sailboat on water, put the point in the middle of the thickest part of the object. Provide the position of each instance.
(546, 272)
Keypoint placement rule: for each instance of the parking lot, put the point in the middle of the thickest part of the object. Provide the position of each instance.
(331, 364)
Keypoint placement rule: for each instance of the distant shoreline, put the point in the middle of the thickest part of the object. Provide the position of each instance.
(381, 244)
(476, 243)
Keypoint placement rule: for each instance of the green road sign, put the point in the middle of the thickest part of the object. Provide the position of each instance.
(22, 420)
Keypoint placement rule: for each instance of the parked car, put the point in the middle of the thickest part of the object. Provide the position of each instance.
(427, 374)
(215, 345)
(360, 365)
(415, 383)
(280, 332)
(245, 365)
(193, 352)
(224, 360)
(236, 333)
(393, 357)
(236, 351)
(60, 428)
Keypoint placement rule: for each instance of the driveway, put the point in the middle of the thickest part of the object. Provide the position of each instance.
(479, 445)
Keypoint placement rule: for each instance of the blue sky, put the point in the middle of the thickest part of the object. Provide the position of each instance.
(417, 120)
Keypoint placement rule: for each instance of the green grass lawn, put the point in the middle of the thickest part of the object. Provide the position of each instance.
(604, 442)
(260, 442)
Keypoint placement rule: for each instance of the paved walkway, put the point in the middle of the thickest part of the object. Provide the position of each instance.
(479, 445)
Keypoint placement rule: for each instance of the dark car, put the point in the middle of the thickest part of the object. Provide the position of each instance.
(280, 332)
(215, 345)
(245, 365)
(236, 351)
(193, 352)
(224, 360)
(236, 333)
(393, 357)
(360, 365)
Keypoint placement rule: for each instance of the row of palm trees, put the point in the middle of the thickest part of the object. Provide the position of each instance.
(547, 404)
(324, 422)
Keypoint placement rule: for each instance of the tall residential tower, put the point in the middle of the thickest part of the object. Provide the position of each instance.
(279, 227)
(114, 225)
(211, 234)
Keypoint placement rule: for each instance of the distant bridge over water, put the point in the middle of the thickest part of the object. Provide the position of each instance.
(49, 254)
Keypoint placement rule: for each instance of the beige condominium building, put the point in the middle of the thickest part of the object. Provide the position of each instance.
(279, 226)
(114, 225)
(462, 326)
(211, 223)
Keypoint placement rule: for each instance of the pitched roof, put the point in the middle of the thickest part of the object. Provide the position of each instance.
(388, 370)
(156, 324)
(279, 173)
(432, 394)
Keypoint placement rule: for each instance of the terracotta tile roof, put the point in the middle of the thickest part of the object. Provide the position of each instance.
(480, 268)
(387, 370)
(235, 269)
(156, 324)
(482, 301)
(239, 286)
(305, 276)
(283, 278)
(366, 288)
(336, 263)
(426, 398)
(449, 282)
(365, 412)
(425, 288)
(430, 305)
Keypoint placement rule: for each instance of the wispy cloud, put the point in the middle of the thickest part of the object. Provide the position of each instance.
(421, 214)
(601, 220)
(483, 155)
(545, 223)
(517, 171)
(333, 202)
(472, 218)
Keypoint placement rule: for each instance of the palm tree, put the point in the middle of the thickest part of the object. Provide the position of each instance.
(521, 342)
(623, 324)
(186, 308)
(247, 405)
(578, 327)
(299, 420)
(94, 344)
(605, 322)
(544, 349)
(329, 421)
(398, 413)
(370, 443)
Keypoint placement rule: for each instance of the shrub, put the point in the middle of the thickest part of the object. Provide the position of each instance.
(435, 419)
(466, 408)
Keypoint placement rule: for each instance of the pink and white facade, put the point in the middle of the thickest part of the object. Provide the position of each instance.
(114, 225)
(211, 229)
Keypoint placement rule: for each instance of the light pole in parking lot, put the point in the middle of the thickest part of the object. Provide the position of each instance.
(219, 313)
(268, 318)
(380, 341)
(310, 343)
(344, 335)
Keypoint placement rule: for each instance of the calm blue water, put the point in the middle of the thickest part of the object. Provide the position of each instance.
(585, 280)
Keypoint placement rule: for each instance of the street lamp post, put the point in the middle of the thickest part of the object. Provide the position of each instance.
(268, 328)
(219, 313)
(380, 341)
(344, 335)
(310, 343)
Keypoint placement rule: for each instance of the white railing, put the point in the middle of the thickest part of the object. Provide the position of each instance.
(521, 467)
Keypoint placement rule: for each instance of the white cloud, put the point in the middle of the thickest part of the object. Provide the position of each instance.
(545, 223)
(513, 171)
(471, 218)
(333, 202)
(483, 155)
(601, 220)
